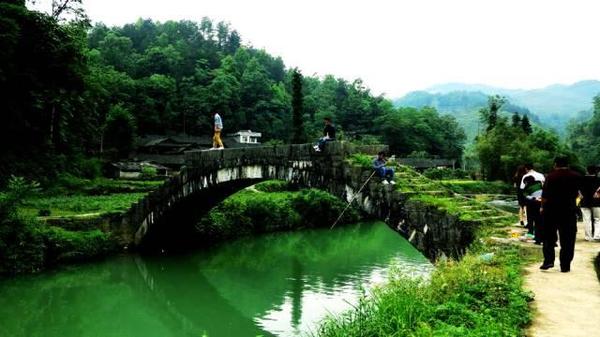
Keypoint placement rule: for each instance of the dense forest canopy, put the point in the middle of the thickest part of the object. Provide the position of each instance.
(76, 92)
(77, 95)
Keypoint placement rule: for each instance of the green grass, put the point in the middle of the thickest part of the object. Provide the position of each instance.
(69, 185)
(80, 204)
(477, 187)
(480, 295)
(254, 211)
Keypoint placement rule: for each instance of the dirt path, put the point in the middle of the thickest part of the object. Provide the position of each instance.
(567, 304)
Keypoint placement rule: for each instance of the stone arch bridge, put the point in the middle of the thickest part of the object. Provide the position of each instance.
(168, 213)
(210, 176)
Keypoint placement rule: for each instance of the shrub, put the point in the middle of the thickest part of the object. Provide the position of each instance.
(69, 246)
(273, 186)
(321, 209)
(362, 160)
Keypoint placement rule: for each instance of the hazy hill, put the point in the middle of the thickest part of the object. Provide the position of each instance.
(555, 105)
(464, 105)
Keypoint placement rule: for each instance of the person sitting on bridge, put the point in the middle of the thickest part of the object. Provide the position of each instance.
(386, 173)
(328, 135)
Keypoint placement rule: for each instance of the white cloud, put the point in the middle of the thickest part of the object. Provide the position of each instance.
(398, 46)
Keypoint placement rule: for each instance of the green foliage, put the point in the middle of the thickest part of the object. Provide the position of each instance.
(66, 185)
(299, 135)
(471, 297)
(584, 138)
(362, 160)
(478, 187)
(120, 131)
(409, 130)
(463, 105)
(250, 212)
(321, 209)
(270, 186)
(64, 246)
(79, 204)
(502, 149)
(445, 173)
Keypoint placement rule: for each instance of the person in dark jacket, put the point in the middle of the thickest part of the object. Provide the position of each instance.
(590, 206)
(328, 135)
(559, 209)
(533, 197)
(386, 173)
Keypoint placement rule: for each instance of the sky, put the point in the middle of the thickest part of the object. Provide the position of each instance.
(397, 46)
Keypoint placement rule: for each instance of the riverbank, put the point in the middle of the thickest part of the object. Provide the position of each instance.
(45, 230)
(481, 294)
(65, 223)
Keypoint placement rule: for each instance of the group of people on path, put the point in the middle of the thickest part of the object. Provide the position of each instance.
(550, 206)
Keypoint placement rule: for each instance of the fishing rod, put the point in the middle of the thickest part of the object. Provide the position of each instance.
(351, 200)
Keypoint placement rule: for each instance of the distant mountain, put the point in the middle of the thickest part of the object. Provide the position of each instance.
(463, 105)
(555, 105)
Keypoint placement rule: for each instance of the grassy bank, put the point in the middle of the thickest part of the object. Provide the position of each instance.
(43, 228)
(480, 295)
(273, 206)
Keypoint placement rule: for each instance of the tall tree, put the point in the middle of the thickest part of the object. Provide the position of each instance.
(516, 120)
(526, 125)
(299, 134)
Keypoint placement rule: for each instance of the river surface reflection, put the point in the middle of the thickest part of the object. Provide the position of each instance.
(279, 284)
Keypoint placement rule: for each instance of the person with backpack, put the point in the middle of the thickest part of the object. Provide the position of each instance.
(533, 202)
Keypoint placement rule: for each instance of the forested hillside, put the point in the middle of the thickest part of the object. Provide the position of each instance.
(463, 105)
(554, 105)
(79, 95)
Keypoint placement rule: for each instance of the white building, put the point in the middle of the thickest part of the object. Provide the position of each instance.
(247, 137)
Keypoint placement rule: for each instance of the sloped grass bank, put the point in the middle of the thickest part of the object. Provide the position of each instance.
(272, 206)
(479, 295)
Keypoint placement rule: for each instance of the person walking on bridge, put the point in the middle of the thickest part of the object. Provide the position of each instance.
(218, 127)
(559, 209)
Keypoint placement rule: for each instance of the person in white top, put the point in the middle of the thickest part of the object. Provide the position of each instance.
(531, 172)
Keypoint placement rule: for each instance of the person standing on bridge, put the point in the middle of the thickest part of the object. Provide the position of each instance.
(218, 126)
(559, 209)
(328, 135)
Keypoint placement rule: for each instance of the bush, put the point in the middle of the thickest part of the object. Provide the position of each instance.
(445, 173)
(362, 160)
(321, 209)
(273, 186)
(471, 297)
(68, 246)
(247, 212)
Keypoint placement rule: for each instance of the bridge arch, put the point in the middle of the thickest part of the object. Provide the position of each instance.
(210, 176)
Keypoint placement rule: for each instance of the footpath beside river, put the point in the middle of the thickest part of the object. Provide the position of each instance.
(567, 304)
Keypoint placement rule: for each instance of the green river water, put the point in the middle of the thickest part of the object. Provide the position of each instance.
(278, 284)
